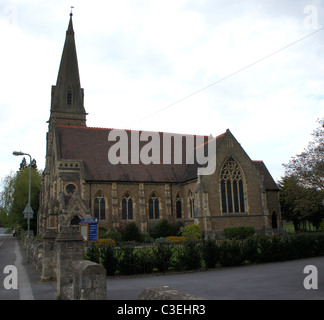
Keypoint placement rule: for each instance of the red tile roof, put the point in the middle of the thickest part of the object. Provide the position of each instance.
(91, 145)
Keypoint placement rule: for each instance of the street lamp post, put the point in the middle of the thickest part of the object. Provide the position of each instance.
(19, 153)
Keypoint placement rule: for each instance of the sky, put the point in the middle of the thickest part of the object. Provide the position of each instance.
(143, 65)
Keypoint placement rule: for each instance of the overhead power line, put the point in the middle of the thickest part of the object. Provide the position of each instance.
(228, 76)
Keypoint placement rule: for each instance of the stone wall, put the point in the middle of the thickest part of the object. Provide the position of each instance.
(59, 256)
(35, 251)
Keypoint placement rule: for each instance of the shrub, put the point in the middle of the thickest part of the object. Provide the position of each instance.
(115, 235)
(176, 239)
(145, 260)
(210, 252)
(146, 237)
(321, 226)
(161, 240)
(106, 242)
(264, 248)
(128, 261)
(108, 259)
(192, 232)
(162, 228)
(132, 233)
(251, 249)
(188, 256)
(239, 232)
(163, 254)
(92, 253)
(231, 253)
(102, 232)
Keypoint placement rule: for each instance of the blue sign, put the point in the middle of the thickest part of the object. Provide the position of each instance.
(93, 232)
(89, 220)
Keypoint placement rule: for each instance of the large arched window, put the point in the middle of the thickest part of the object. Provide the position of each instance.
(99, 207)
(232, 188)
(127, 207)
(154, 207)
(178, 206)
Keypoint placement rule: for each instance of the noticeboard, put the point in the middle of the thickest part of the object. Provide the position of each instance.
(89, 229)
(93, 232)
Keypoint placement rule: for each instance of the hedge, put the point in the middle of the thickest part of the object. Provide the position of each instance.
(239, 232)
(192, 255)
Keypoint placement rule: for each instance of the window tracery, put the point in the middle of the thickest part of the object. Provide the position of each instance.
(127, 207)
(232, 188)
(154, 207)
(99, 207)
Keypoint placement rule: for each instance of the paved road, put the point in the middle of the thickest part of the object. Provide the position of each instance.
(280, 281)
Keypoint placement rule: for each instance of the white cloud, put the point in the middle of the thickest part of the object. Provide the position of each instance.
(136, 58)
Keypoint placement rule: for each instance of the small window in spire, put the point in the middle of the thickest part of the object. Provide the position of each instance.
(69, 97)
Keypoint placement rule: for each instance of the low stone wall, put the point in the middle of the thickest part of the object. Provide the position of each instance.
(59, 256)
(35, 251)
(166, 293)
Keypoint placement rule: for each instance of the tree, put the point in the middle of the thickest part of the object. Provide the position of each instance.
(300, 204)
(14, 197)
(132, 233)
(24, 165)
(6, 199)
(308, 167)
(20, 195)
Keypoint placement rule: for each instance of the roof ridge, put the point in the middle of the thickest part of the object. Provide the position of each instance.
(101, 128)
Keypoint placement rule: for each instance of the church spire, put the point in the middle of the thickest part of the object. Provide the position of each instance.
(67, 96)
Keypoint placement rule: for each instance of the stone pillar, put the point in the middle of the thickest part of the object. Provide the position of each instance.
(69, 244)
(49, 256)
(114, 205)
(142, 207)
(89, 281)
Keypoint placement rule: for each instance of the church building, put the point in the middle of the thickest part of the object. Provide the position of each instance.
(123, 176)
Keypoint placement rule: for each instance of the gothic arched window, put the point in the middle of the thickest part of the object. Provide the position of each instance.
(99, 207)
(178, 207)
(154, 207)
(232, 188)
(127, 207)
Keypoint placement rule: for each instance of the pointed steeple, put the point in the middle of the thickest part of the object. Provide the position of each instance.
(67, 96)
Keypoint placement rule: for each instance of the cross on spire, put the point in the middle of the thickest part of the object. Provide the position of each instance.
(71, 13)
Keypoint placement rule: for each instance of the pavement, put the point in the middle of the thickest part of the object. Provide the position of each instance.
(29, 285)
(271, 281)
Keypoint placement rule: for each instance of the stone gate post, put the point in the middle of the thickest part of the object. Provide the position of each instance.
(49, 256)
(69, 244)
